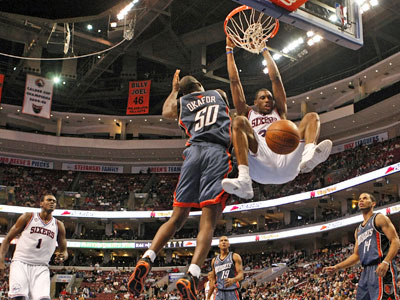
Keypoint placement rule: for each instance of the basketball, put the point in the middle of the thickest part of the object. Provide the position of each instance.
(282, 137)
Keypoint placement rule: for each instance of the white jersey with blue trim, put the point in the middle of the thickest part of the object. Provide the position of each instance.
(37, 242)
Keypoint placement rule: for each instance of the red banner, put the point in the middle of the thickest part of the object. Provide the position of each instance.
(290, 5)
(139, 94)
(1, 84)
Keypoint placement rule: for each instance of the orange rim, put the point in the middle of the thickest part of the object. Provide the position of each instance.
(245, 7)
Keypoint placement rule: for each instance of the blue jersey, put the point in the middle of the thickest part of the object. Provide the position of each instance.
(225, 268)
(205, 118)
(373, 245)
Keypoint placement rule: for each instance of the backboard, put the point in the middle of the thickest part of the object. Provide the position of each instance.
(336, 20)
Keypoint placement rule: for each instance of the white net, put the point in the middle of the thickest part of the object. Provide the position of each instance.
(250, 29)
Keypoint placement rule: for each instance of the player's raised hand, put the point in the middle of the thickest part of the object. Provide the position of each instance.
(230, 43)
(175, 81)
(330, 269)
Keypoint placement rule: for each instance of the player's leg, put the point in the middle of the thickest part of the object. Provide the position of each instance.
(39, 283)
(243, 141)
(365, 282)
(187, 285)
(18, 281)
(163, 235)
(313, 154)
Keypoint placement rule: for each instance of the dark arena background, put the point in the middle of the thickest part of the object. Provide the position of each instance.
(98, 142)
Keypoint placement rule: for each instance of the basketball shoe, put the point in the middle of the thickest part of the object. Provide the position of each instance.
(187, 287)
(241, 187)
(136, 280)
(313, 155)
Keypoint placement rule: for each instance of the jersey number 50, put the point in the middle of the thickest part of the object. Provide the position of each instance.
(206, 116)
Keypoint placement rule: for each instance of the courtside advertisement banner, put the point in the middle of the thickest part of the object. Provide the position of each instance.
(9, 160)
(38, 96)
(139, 95)
(92, 168)
(1, 84)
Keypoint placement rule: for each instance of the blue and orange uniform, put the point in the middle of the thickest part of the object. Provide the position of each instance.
(225, 268)
(373, 247)
(205, 118)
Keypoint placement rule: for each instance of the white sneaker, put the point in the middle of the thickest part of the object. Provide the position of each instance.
(313, 156)
(240, 187)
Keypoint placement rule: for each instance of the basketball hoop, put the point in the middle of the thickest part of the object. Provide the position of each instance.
(250, 29)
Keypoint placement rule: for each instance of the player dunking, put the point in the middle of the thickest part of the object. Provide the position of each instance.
(40, 233)
(377, 244)
(204, 115)
(255, 160)
(227, 273)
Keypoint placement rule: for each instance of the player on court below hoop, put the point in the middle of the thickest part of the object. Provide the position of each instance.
(255, 160)
(39, 235)
(377, 244)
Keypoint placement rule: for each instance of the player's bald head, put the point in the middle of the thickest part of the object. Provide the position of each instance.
(190, 84)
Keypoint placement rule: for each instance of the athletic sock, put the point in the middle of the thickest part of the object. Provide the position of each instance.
(151, 254)
(194, 270)
(243, 171)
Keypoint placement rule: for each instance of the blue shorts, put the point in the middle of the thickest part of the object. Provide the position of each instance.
(228, 295)
(203, 169)
(373, 287)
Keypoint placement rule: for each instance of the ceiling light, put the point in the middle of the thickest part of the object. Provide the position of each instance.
(18, 110)
(113, 24)
(130, 120)
(99, 30)
(365, 76)
(376, 71)
(145, 120)
(1, 107)
(99, 119)
(276, 56)
(310, 42)
(293, 101)
(83, 118)
(285, 50)
(89, 27)
(265, 70)
(390, 64)
(317, 38)
(64, 83)
(14, 68)
(122, 14)
(51, 115)
(373, 2)
(365, 7)
(354, 121)
(264, 62)
(67, 117)
(334, 126)
(307, 97)
(160, 120)
(56, 79)
(310, 33)
(322, 93)
(335, 88)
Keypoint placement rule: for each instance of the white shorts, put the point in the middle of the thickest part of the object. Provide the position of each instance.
(29, 281)
(267, 167)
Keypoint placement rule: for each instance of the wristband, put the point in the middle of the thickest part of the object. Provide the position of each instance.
(265, 49)
(228, 47)
(229, 52)
(385, 262)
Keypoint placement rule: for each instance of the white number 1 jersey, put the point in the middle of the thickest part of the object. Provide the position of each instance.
(37, 242)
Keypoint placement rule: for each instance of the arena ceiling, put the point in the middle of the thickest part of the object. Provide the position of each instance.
(168, 34)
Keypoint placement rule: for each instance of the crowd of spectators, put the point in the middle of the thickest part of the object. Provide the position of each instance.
(99, 191)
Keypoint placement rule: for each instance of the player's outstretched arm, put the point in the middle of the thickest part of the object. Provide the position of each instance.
(62, 243)
(15, 230)
(277, 86)
(348, 262)
(239, 100)
(382, 222)
(239, 271)
(170, 107)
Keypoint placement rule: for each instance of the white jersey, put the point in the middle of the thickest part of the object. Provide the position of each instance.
(37, 242)
(265, 166)
(260, 122)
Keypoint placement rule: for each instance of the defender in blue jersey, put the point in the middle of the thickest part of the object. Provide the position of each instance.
(377, 243)
(227, 273)
(204, 115)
